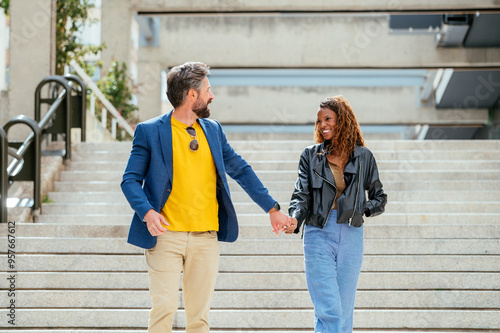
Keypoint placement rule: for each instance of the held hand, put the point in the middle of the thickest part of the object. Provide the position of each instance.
(154, 223)
(278, 220)
(291, 228)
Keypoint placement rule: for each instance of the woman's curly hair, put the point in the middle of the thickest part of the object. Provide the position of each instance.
(347, 131)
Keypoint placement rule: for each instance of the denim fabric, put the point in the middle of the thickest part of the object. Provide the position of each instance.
(333, 258)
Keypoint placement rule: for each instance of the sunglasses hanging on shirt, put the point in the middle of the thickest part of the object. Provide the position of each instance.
(193, 145)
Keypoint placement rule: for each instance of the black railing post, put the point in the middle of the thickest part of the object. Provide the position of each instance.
(60, 125)
(79, 101)
(4, 178)
(30, 152)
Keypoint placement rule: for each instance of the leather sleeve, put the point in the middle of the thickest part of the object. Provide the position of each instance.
(301, 196)
(377, 199)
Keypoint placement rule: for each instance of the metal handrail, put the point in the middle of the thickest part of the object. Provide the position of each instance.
(80, 87)
(48, 116)
(42, 125)
(16, 165)
(17, 170)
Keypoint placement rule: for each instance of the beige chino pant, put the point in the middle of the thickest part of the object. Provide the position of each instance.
(196, 254)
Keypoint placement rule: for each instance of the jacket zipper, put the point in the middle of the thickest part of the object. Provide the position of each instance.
(357, 193)
(335, 187)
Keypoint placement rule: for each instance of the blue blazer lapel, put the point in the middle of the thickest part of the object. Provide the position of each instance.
(213, 143)
(165, 134)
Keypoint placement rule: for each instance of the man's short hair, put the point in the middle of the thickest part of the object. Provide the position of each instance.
(182, 78)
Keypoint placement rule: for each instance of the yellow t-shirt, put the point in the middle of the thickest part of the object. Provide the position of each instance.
(192, 204)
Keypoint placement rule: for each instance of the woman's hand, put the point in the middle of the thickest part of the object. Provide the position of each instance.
(291, 228)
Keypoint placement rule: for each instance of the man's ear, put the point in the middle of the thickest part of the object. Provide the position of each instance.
(192, 95)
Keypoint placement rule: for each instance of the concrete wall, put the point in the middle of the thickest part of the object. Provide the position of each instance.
(299, 105)
(4, 94)
(307, 5)
(310, 41)
(149, 89)
(32, 51)
(299, 40)
(347, 37)
(3, 50)
(116, 17)
(4, 107)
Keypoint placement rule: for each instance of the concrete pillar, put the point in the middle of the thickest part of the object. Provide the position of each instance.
(307, 5)
(32, 51)
(149, 90)
(116, 22)
(4, 96)
(305, 41)
(3, 50)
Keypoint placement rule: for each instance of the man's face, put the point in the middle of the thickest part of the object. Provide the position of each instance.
(205, 97)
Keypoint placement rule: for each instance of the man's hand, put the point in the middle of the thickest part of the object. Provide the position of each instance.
(278, 220)
(154, 223)
(291, 228)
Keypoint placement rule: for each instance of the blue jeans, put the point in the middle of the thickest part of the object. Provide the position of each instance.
(333, 258)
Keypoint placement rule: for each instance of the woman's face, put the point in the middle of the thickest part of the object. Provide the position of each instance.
(326, 122)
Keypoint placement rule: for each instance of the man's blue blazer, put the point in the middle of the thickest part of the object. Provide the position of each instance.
(147, 181)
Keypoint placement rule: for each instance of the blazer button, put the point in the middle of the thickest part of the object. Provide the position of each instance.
(168, 190)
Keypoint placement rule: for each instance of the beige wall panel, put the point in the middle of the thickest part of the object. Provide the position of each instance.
(31, 50)
(299, 105)
(307, 5)
(149, 90)
(336, 41)
(116, 22)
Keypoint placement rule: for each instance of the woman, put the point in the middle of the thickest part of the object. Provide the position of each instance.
(330, 197)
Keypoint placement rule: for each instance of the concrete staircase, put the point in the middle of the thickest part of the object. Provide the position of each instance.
(432, 261)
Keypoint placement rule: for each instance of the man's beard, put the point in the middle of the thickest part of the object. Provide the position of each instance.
(201, 109)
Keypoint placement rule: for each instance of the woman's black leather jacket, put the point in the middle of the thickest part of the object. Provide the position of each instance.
(315, 189)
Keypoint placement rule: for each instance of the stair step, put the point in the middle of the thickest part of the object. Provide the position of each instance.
(137, 330)
(294, 154)
(371, 230)
(263, 219)
(250, 207)
(273, 319)
(445, 185)
(258, 281)
(284, 196)
(280, 263)
(291, 175)
(431, 260)
(292, 165)
(293, 245)
(143, 330)
(269, 299)
(459, 145)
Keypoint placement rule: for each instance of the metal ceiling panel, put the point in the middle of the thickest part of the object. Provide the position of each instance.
(484, 31)
(451, 133)
(469, 89)
(414, 23)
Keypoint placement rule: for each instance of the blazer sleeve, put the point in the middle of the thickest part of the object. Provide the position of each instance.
(238, 169)
(135, 173)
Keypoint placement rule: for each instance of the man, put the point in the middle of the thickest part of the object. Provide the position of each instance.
(176, 183)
